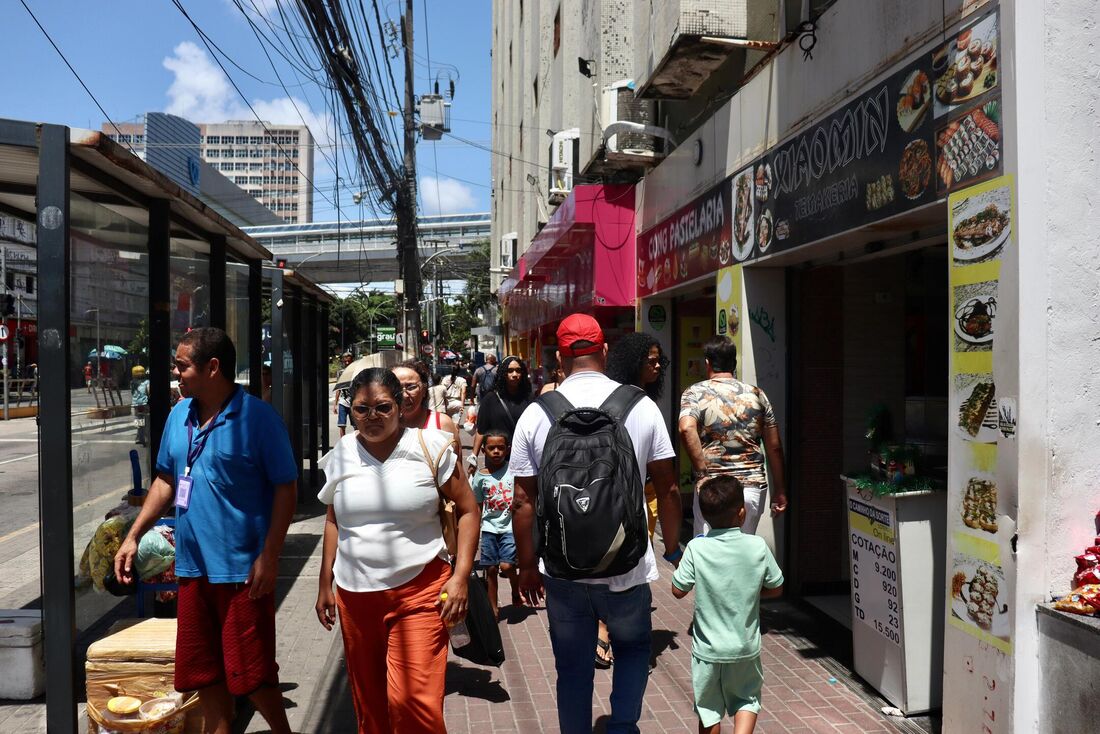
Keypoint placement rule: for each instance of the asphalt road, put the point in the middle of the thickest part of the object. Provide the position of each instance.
(101, 466)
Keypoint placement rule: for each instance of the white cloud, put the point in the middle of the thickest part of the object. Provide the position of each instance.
(446, 196)
(200, 92)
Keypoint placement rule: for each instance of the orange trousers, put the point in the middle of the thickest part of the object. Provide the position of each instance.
(396, 649)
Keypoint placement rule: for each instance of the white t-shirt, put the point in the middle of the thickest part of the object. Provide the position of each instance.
(387, 512)
(647, 430)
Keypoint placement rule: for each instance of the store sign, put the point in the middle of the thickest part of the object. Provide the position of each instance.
(905, 142)
(874, 558)
(692, 242)
(657, 317)
(385, 337)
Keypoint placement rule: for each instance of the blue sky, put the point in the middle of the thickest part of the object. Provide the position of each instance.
(142, 55)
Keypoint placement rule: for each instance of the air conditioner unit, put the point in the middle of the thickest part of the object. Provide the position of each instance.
(509, 244)
(618, 104)
(564, 154)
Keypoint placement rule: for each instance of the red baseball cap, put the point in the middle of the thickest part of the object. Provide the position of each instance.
(579, 327)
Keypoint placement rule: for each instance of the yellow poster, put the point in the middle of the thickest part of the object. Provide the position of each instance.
(728, 304)
(980, 228)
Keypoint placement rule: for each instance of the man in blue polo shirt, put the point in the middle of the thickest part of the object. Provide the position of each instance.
(225, 461)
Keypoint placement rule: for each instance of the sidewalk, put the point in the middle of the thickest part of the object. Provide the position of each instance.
(805, 689)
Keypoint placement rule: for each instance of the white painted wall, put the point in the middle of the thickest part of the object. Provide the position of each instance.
(1054, 97)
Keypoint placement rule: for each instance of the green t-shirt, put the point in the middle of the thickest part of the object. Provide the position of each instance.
(494, 492)
(727, 568)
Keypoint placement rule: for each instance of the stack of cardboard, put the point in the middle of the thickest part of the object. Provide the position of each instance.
(136, 658)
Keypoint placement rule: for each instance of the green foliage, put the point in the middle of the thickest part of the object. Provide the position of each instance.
(460, 314)
(139, 345)
(351, 319)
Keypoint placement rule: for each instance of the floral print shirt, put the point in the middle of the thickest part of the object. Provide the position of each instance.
(732, 417)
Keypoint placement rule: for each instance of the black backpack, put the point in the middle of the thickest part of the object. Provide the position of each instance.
(485, 382)
(590, 516)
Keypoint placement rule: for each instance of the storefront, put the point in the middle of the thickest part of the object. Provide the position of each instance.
(861, 253)
(580, 262)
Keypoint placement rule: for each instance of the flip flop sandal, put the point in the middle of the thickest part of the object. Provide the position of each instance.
(604, 663)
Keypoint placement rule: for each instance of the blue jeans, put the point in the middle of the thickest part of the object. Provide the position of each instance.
(573, 609)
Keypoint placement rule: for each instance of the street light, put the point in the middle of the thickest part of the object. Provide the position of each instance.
(98, 347)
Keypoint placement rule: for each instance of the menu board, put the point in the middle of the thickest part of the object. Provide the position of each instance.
(874, 565)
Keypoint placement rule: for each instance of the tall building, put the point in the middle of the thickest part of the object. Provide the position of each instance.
(272, 163)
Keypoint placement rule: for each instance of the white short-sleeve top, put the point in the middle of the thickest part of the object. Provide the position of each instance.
(387, 511)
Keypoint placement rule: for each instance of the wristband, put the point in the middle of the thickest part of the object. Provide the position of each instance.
(674, 556)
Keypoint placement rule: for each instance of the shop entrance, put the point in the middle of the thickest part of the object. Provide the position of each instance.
(869, 350)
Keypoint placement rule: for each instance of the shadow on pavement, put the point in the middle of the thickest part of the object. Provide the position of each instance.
(661, 640)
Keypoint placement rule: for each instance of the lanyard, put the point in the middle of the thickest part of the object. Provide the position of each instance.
(193, 452)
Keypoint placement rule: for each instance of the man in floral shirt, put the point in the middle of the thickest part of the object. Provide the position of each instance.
(729, 428)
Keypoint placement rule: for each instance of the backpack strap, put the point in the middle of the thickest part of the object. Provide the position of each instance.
(433, 464)
(620, 402)
(554, 404)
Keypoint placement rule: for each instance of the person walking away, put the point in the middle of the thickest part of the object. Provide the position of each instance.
(385, 551)
(88, 375)
(139, 400)
(341, 400)
(726, 673)
(728, 427)
(454, 394)
(225, 461)
(553, 376)
(494, 487)
(601, 511)
(414, 377)
(635, 359)
(484, 377)
(501, 407)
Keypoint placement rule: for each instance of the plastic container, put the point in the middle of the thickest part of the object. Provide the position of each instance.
(459, 633)
(22, 666)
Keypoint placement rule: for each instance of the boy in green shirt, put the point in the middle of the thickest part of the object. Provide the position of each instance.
(730, 571)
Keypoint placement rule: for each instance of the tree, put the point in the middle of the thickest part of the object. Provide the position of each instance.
(352, 318)
(458, 315)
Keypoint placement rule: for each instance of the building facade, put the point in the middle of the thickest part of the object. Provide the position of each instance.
(886, 206)
(272, 164)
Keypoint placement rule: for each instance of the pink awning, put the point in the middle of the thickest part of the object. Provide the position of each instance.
(583, 259)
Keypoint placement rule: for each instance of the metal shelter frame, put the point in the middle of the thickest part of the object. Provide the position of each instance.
(72, 159)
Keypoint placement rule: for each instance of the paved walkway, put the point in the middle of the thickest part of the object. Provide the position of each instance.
(805, 689)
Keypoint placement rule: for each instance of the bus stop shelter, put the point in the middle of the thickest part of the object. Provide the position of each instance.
(123, 256)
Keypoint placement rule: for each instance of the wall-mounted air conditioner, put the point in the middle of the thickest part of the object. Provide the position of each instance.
(509, 246)
(618, 104)
(564, 155)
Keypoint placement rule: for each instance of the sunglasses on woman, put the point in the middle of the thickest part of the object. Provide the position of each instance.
(380, 410)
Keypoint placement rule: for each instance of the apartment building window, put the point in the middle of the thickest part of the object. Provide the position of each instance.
(139, 138)
(29, 287)
(213, 140)
(242, 152)
(557, 31)
(240, 166)
(213, 153)
(227, 152)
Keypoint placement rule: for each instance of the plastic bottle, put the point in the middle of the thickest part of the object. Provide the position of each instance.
(460, 635)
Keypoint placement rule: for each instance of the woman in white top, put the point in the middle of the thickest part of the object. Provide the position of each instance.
(384, 548)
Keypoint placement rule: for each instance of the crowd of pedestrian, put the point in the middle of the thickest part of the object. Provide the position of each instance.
(561, 496)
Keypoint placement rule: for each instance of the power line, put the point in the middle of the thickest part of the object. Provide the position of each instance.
(202, 37)
(62, 55)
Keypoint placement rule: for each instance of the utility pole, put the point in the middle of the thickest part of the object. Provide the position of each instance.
(406, 198)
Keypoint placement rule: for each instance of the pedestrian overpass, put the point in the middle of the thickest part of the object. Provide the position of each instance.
(366, 251)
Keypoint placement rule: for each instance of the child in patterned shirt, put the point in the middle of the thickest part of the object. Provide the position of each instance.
(493, 488)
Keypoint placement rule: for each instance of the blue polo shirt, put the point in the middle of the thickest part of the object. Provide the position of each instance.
(247, 453)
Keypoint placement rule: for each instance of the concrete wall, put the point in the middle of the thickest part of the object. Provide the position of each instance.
(523, 55)
(1069, 664)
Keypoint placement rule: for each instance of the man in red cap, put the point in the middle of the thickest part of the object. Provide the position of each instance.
(623, 600)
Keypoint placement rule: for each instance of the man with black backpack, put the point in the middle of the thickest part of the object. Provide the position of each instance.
(484, 376)
(579, 456)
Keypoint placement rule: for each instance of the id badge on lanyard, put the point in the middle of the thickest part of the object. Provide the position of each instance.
(185, 482)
